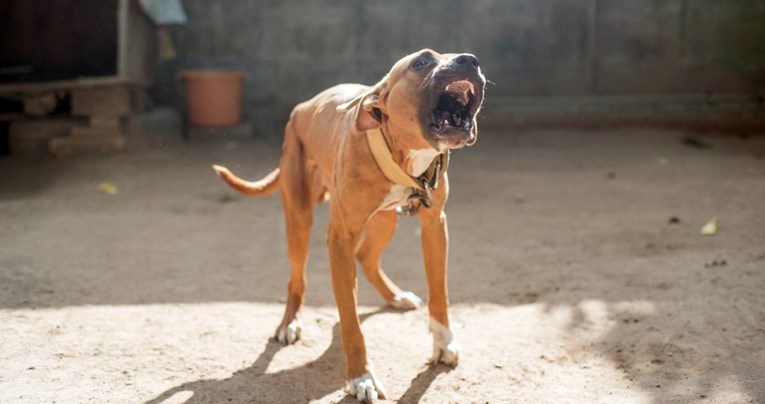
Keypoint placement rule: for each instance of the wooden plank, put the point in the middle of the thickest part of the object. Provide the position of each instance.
(123, 36)
(11, 116)
(139, 46)
(84, 82)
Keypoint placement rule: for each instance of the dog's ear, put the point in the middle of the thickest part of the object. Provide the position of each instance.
(366, 114)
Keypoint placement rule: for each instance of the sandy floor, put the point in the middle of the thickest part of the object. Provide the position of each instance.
(567, 280)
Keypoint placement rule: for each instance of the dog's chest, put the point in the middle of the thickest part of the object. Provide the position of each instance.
(418, 161)
(397, 196)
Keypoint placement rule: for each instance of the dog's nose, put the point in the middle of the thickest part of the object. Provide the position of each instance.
(466, 59)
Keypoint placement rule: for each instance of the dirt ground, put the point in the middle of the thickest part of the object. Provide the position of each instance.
(568, 281)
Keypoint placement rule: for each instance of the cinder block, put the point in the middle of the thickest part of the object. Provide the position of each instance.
(100, 120)
(67, 146)
(30, 138)
(114, 101)
(100, 130)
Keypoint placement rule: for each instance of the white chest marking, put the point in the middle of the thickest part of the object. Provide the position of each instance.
(421, 160)
(398, 194)
(396, 197)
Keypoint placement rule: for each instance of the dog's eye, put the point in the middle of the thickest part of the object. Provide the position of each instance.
(419, 64)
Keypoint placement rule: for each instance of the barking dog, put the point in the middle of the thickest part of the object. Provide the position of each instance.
(373, 151)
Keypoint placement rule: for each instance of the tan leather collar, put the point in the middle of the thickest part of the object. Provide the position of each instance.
(394, 172)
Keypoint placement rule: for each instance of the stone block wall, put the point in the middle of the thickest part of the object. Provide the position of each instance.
(541, 48)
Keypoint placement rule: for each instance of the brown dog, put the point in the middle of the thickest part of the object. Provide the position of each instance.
(425, 106)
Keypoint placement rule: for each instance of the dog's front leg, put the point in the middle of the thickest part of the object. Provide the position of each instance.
(435, 244)
(341, 241)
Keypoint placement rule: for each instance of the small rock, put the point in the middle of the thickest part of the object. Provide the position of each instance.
(225, 198)
(696, 142)
(716, 263)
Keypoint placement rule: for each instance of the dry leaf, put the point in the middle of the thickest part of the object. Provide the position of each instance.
(108, 188)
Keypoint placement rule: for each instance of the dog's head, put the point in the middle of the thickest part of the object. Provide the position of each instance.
(426, 97)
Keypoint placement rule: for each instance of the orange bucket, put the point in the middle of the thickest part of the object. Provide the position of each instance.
(214, 97)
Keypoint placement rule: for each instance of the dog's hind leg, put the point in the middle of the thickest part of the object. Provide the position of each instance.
(298, 211)
(377, 234)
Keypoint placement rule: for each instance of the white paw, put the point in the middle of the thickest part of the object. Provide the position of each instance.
(406, 301)
(366, 388)
(445, 348)
(290, 333)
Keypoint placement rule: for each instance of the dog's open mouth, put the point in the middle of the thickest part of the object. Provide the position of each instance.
(455, 108)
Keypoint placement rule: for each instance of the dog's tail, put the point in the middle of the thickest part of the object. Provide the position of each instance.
(266, 186)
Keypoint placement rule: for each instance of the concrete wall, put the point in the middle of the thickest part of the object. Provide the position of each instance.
(293, 49)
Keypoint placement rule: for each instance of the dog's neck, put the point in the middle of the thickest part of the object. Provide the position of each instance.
(409, 150)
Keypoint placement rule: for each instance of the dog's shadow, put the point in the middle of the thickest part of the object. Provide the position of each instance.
(310, 381)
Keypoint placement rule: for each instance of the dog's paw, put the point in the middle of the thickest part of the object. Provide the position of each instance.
(406, 301)
(366, 388)
(445, 348)
(290, 333)
(449, 354)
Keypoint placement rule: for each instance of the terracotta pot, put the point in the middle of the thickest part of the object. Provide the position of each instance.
(214, 97)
